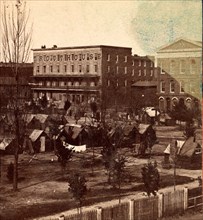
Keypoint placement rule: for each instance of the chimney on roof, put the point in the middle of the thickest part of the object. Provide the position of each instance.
(54, 46)
(43, 46)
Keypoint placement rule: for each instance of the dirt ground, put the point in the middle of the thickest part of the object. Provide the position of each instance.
(43, 186)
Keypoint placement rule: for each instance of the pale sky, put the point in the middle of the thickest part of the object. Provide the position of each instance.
(142, 25)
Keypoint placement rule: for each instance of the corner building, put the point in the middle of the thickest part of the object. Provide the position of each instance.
(82, 73)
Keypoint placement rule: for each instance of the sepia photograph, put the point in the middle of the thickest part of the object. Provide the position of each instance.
(101, 110)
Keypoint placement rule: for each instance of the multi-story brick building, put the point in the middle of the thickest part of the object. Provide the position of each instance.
(8, 82)
(80, 73)
(180, 75)
(144, 78)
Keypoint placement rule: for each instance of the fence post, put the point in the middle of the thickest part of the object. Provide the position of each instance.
(160, 204)
(131, 209)
(185, 198)
(99, 213)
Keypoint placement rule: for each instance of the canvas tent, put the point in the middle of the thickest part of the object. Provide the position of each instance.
(73, 134)
(7, 146)
(37, 141)
(190, 154)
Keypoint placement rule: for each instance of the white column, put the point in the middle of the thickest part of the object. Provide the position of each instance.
(131, 209)
(185, 193)
(99, 213)
(160, 204)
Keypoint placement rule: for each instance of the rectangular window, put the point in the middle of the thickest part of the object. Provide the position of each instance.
(145, 63)
(44, 69)
(133, 72)
(72, 68)
(95, 68)
(139, 73)
(88, 68)
(108, 69)
(181, 87)
(133, 63)
(151, 73)
(108, 57)
(172, 86)
(140, 63)
(80, 68)
(126, 59)
(65, 68)
(152, 64)
(58, 69)
(108, 82)
(145, 72)
(126, 70)
(162, 86)
(161, 67)
(37, 69)
(51, 69)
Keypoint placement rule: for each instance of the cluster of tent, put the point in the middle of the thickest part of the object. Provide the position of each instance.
(42, 130)
(188, 153)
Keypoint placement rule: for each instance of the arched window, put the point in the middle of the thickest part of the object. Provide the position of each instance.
(174, 101)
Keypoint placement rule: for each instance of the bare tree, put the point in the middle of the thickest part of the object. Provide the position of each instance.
(16, 43)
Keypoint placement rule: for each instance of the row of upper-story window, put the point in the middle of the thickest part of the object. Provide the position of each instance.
(67, 83)
(135, 62)
(139, 72)
(66, 69)
(181, 66)
(118, 83)
(90, 56)
(172, 88)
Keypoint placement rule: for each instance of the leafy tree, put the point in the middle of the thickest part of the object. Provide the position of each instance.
(118, 171)
(181, 112)
(78, 188)
(151, 178)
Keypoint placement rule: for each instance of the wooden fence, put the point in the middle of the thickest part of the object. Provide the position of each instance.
(195, 198)
(149, 208)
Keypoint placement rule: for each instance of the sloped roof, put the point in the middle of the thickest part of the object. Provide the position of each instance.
(35, 134)
(76, 129)
(188, 147)
(142, 128)
(171, 44)
(5, 143)
(41, 117)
